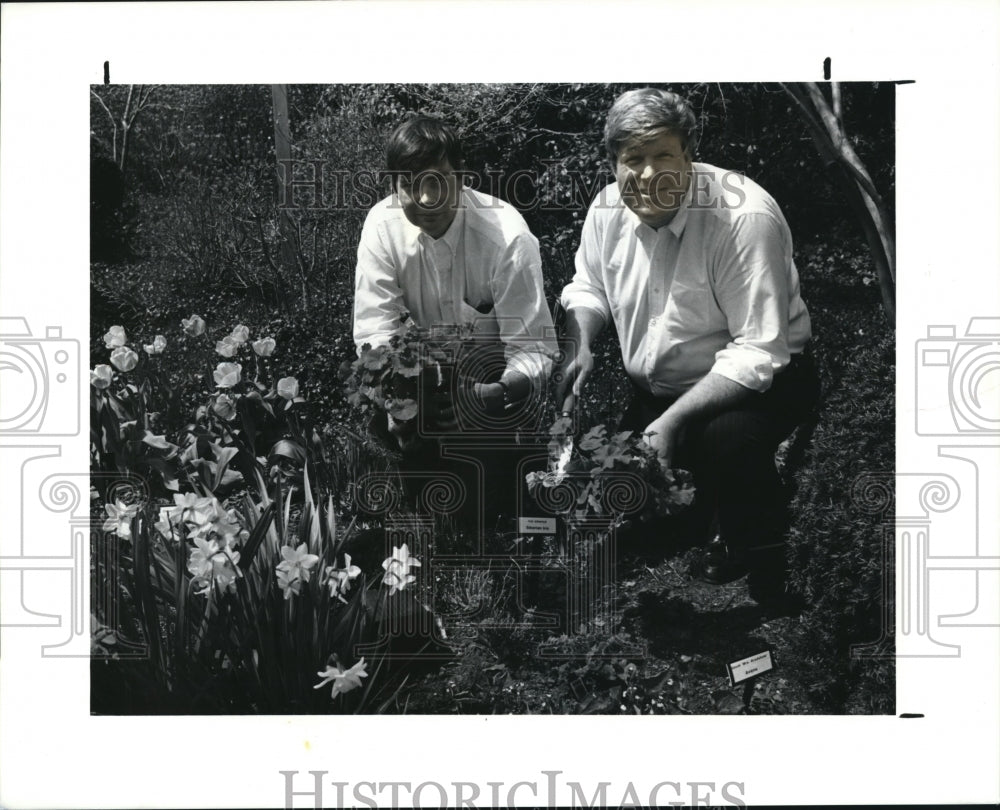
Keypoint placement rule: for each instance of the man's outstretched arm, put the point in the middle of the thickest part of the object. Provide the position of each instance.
(583, 325)
(712, 394)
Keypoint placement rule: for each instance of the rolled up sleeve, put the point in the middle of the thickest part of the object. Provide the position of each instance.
(522, 313)
(586, 289)
(752, 288)
(378, 299)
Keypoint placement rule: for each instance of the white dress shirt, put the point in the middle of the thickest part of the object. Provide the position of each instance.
(485, 271)
(714, 290)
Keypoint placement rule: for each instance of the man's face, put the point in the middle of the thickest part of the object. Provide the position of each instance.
(430, 197)
(653, 175)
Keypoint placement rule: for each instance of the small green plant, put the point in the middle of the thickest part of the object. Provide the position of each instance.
(607, 476)
(392, 377)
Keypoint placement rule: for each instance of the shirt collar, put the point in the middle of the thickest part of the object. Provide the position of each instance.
(676, 225)
(451, 236)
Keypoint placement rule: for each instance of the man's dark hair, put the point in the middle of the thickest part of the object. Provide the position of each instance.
(639, 115)
(421, 142)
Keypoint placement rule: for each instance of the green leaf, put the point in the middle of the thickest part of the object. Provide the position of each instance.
(256, 537)
(288, 449)
(594, 438)
(403, 409)
(159, 442)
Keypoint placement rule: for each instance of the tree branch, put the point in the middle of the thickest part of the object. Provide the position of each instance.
(114, 126)
(833, 145)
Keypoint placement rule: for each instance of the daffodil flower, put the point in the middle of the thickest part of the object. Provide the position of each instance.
(339, 579)
(211, 564)
(224, 568)
(343, 680)
(200, 513)
(119, 519)
(294, 568)
(397, 569)
(165, 525)
(200, 564)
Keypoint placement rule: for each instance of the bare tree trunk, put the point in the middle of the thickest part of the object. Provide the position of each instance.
(126, 125)
(283, 152)
(827, 131)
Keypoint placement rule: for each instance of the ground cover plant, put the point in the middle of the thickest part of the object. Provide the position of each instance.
(238, 570)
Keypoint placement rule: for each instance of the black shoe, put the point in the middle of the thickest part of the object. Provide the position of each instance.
(723, 572)
(720, 566)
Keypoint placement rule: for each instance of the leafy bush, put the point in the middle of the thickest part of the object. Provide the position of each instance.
(836, 546)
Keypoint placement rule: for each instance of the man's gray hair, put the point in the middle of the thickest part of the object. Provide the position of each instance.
(638, 114)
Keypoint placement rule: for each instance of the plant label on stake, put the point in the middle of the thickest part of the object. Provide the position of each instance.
(750, 667)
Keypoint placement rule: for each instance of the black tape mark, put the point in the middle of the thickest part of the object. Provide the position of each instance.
(826, 69)
(107, 72)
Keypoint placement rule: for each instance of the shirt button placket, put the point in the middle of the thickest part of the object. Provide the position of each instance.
(657, 298)
(442, 260)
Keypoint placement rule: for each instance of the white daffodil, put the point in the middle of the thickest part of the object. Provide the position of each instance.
(343, 680)
(397, 569)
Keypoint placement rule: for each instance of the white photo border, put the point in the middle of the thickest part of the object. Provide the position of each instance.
(54, 754)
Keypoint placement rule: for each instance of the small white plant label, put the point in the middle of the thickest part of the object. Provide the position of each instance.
(749, 667)
(536, 525)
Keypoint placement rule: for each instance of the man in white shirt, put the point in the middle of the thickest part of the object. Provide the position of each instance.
(440, 253)
(693, 266)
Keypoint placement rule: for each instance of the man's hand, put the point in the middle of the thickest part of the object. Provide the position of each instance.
(491, 397)
(405, 433)
(570, 377)
(582, 326)
(663, 434)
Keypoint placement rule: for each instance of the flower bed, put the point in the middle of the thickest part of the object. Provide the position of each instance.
(227, 540)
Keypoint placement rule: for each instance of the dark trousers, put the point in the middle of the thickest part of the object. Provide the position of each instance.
(731, 456)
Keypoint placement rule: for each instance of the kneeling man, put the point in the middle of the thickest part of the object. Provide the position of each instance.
(693, 266)
(442, 254)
